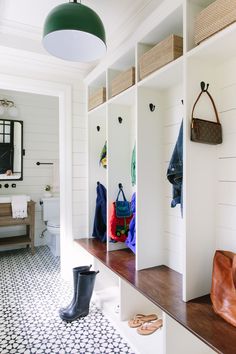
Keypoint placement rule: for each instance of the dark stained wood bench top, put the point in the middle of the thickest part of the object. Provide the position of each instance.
(163, 287)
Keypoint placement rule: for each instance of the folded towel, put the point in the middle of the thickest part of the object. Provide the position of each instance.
(19, 206)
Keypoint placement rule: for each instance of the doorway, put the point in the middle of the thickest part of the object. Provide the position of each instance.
(64, 94)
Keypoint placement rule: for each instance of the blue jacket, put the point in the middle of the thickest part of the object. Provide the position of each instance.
(175, 170)
(100, 218)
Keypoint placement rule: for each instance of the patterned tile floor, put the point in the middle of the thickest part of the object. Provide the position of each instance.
(31, 292)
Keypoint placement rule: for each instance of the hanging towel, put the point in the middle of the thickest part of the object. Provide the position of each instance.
(56, 177)
(100, 218)
(19, 206)
(175, 170)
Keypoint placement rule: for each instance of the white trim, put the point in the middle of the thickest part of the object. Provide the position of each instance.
(65, 68)
(64, 93)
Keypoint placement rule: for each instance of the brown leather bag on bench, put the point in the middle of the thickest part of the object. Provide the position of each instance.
(223, 290)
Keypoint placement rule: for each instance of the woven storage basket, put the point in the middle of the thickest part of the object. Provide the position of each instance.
(163, 53)
(123, 81)
(215, 17)
(97, 98)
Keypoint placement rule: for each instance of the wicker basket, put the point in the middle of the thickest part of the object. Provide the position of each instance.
(97, 98)
(123, 81)
(163, 53)
(215, 17)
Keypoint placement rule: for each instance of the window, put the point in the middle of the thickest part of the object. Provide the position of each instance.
(5, 131)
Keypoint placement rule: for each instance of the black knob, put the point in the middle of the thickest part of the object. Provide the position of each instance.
(6, 185)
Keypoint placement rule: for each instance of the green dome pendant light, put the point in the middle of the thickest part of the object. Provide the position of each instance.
(74, 32)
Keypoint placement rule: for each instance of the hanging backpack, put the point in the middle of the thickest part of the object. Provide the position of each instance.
(120, 217)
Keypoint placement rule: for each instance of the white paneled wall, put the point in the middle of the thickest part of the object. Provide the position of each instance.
(173, 222)
(226, 165)
(40, 116)
(96, 172)
(80, 161)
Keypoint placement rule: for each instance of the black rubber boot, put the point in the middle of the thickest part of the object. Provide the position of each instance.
(84, 292)
(76, 272)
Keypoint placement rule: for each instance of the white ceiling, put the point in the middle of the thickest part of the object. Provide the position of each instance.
(21, 21)
(33, 12)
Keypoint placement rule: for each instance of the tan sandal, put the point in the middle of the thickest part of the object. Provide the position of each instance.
(140, 319)
(150, 327)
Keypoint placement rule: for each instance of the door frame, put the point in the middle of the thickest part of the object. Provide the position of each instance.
(64, 94)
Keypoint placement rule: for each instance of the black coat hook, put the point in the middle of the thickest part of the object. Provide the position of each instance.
(98, 128)
(120, 120)
(203, 85)
(152, 107)
(182, 101)
(120, 186)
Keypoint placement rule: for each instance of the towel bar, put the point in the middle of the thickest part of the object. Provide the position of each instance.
(44, 163)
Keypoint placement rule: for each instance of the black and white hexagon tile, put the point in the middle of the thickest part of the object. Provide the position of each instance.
(31, 292)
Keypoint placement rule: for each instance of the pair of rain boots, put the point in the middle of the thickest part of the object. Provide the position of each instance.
(84, 281)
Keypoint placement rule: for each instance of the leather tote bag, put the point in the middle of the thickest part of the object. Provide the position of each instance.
(205, 131)
(223, 290)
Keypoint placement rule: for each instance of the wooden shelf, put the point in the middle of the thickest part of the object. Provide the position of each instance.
(9, 221)
(163, 287)
(24, 239)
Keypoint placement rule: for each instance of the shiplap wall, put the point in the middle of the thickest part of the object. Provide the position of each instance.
(40, 118)
(226, 161)
(173, 222)
(97, 173)
(80, 161)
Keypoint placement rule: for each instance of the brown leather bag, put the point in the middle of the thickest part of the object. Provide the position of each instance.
(205, 131)
(223, 290)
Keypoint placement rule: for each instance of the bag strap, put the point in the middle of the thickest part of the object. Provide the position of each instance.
(212, 101)
(121, 192)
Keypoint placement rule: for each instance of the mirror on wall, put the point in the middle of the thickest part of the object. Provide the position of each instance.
(11, 150)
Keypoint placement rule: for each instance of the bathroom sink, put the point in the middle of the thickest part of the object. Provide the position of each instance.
(7, 198)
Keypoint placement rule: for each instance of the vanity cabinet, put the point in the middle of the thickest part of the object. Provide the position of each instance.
(6, 219)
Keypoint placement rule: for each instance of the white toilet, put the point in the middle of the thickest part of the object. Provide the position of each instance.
(51, 217)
